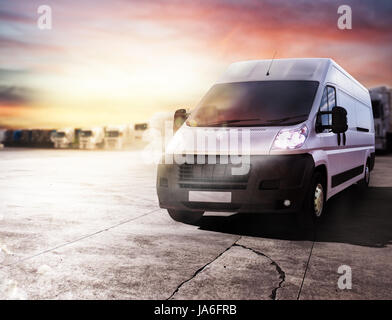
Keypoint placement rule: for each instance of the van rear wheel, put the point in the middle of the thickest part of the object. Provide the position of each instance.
(366, 178)
(188, 217)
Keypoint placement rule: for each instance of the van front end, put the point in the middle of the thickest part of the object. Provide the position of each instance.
(273, 183)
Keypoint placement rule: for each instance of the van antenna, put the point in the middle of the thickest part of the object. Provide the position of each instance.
(272, 60)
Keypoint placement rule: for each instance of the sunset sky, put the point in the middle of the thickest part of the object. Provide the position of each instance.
(120, 61)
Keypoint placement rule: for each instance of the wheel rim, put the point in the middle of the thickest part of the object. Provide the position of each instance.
(318, 200)
(367, 174)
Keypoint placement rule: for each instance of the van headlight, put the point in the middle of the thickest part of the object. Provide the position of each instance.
(291, 138)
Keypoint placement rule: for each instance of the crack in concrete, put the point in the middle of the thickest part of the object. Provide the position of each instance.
(201, 269)
(306, 269)
(282, 274)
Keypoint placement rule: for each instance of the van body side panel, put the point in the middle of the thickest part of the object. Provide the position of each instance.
(347, 158)
(351, 154)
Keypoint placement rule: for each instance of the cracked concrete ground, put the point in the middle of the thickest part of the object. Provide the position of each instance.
(239, 268)
(86, 225)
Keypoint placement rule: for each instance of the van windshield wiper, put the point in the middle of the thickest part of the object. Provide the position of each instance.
(286, 119)
(264, 123)
(227, 122)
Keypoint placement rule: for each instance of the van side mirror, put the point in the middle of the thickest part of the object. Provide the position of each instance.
(339, 120)
(180, 117)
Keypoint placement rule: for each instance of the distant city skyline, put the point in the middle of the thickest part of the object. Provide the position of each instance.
(120, 61)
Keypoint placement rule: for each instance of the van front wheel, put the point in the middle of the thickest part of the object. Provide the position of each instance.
(314, 203)
(188, 217)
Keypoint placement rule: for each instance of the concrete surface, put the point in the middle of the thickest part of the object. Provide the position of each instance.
(86, 225)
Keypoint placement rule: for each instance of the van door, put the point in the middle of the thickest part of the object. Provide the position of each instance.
(347, 160)
(334, 145)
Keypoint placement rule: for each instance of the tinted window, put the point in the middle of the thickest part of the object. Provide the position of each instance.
(255, 103)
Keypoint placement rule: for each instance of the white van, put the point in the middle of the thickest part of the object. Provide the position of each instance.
(118, 137)
(91, 138)
(311, 135)
(139, 129)
(63, 138)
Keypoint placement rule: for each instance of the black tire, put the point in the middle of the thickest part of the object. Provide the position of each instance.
(314, 204)
(364, 183)
(188, 217)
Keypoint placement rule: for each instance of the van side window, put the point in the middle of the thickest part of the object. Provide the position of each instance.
(323, 119)
(328, 101)
(331, 98)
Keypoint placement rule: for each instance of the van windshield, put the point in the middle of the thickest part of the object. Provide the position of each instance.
(255, 103)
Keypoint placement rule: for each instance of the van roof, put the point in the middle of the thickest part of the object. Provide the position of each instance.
(313, 69)
(280, 69)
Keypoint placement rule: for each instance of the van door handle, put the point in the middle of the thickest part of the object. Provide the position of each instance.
(340, 140)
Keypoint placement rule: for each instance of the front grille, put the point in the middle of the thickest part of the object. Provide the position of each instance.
(213, 186)
(211, 177)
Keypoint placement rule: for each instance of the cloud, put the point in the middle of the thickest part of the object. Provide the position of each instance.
(7, 74)
(371, 20)
(7, 16)
(8, 43)
(15, 96)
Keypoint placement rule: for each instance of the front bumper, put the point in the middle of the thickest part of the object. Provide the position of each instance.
(272, 179)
